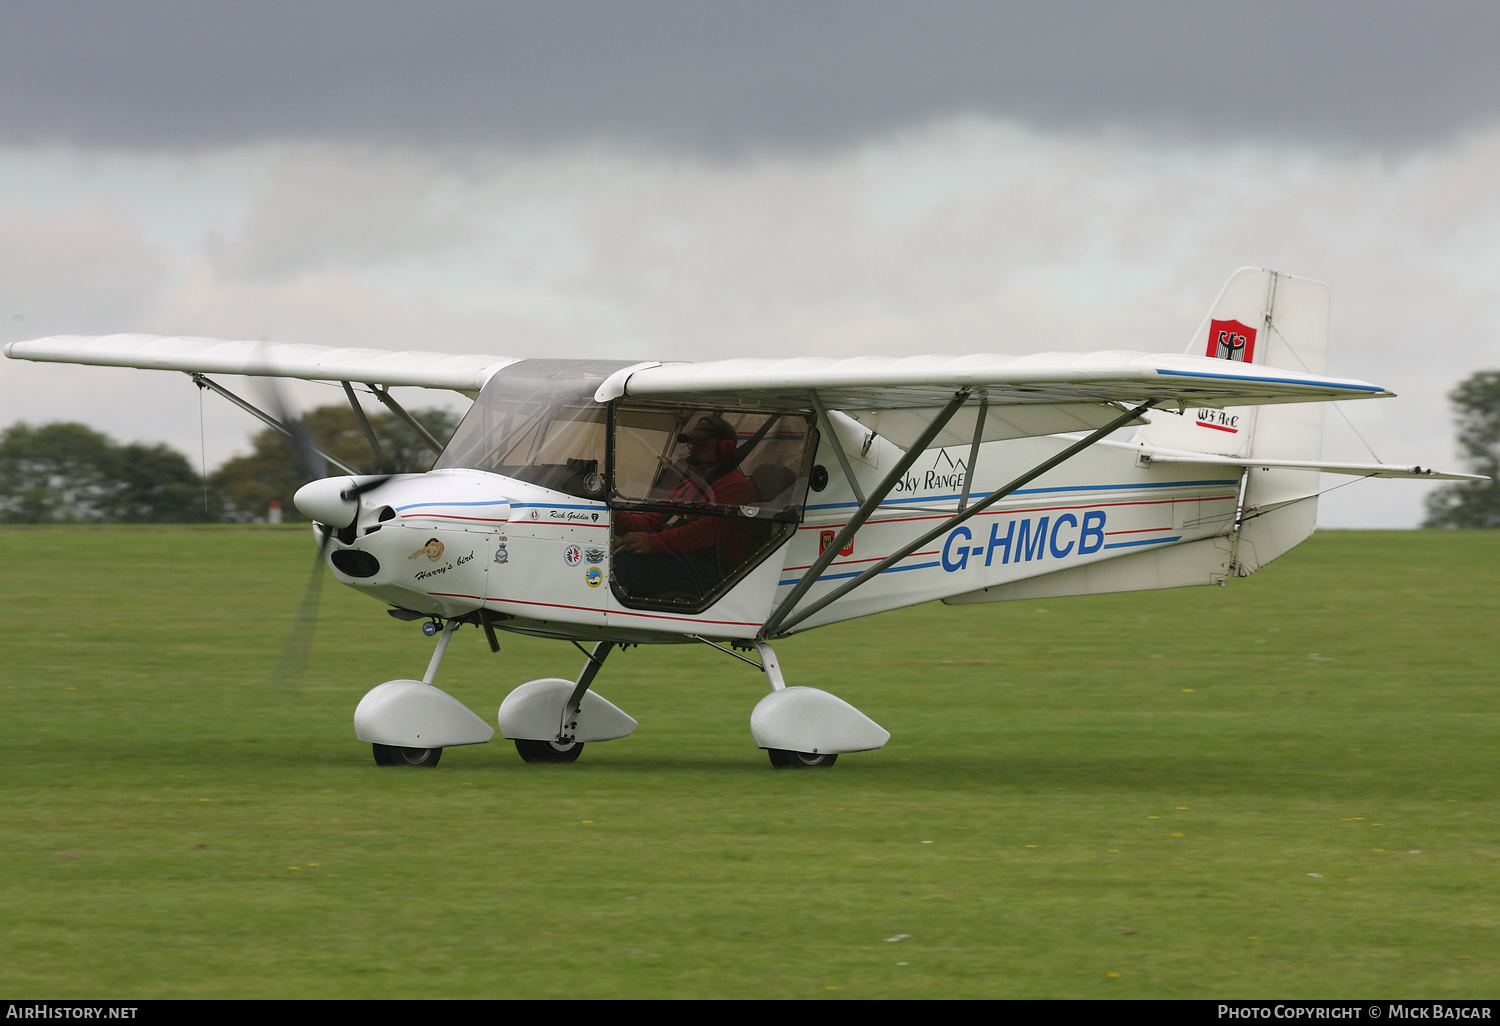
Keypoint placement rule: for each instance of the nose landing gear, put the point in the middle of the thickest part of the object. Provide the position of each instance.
(410, 722)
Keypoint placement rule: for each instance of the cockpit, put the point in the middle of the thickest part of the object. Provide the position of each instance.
(700, 494)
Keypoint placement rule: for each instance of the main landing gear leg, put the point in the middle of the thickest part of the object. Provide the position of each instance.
(566, 747)
(781, 758)
(802, 727)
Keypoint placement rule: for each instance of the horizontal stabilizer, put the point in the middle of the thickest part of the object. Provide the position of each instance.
(1322, 466)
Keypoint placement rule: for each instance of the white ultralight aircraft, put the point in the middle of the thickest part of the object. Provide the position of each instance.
(735, 502)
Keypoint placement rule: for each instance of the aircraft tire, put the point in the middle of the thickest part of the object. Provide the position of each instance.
(394, 755)
(782, 759)
(548, 751)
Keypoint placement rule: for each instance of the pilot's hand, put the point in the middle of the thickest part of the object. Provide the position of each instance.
(638, 542)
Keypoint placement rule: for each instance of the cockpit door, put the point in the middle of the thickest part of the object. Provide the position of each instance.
(703, 501)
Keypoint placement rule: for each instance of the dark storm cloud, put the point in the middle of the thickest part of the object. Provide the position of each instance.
(724, 78)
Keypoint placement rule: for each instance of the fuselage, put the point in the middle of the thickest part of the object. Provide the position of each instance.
(449, 543)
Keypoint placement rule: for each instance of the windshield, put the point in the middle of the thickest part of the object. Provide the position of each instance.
(537, 421)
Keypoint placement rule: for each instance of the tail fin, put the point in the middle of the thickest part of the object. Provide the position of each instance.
(1274, 320)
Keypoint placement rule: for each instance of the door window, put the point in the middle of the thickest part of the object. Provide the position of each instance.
(702, 495)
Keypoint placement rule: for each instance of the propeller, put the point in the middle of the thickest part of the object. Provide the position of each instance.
(292, 661)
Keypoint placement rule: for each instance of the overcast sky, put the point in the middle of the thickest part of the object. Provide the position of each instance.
(694, 180)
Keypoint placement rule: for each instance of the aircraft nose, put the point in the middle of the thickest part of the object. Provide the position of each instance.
(325, 501)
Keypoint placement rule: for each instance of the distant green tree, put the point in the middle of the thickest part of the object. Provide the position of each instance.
(154, 483)
(69, 473)
(1476, 409)
(244, 487)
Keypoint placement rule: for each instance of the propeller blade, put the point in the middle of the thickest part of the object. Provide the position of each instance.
(290, 664)
(294, 651)
(309, 459)
(367, 485)
(292, 661)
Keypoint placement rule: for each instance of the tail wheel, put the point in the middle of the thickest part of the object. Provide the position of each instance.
(783, 759)
(394, 755)
(548, 751)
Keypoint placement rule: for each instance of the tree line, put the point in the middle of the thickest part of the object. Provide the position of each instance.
(70, 473)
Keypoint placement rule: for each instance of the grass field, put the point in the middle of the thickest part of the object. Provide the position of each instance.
(1283, 788)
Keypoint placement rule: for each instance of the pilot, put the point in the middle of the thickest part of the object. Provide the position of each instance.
(662, 552)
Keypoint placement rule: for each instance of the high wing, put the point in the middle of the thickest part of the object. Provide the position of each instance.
(896, 397)
(1048, 393)
(265, 359)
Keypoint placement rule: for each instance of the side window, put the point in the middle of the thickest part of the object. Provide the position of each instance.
(702, 496)
(643, 444)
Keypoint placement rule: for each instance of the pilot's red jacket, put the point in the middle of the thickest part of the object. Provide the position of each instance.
(731, 535)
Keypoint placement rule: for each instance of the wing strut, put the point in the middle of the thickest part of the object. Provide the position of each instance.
(984, 407)
(364, 422)
(204, 382)
(386, 399)
(780, 623)
(867, 507)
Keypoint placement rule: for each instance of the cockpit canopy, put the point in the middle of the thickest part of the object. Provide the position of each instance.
(537, 421)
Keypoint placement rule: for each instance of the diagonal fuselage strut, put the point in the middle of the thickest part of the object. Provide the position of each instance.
(781, 620)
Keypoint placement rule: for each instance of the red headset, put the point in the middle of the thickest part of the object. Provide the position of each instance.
(727, 448)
